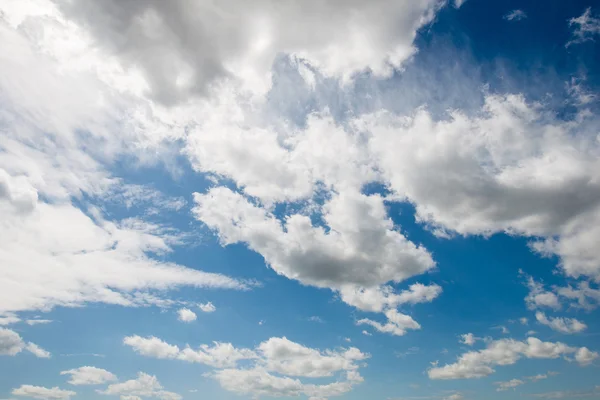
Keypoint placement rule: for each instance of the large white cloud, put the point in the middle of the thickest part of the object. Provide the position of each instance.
(478, 364)
(233, 39)
(360, 247)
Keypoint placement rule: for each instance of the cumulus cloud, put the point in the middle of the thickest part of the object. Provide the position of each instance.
(478, 364)
(40, 392)
(275, 355)
(186, 315)
(585, 356)
(233, 40)
(397, 323)
(12, 344)
(89, 376)
(383, 297)
(468, 338)
(562, 325)
(207, 307)
(144, 385)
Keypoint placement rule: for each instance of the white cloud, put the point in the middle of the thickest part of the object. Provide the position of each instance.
(569, 394)
(397, 323)
(340, 38)
(275, 355)
(37, 350)
(89, 376)
(288, 358)
(468, 338)
(585, 27)
(585, 356)
(12, 344)
(516, 15)
(377, 299)
(478, 364)
(39, 392)
(513, 383)
(366, 333)
(38, 321)
(459, 3)
(523, 321)
(144, 385)
(186, 315)
(151, 347)
(562, 325)
(9, 319)
(583, 295)
(207, 307)
(538, 297)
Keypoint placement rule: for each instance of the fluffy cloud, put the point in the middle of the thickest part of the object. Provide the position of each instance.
(538, 297)
(361, 246)
(39, 392)
(89, 376)
(276, 355)
(397, 323)
(478, 364)
(377, 299)
(562, 325)
(585, 356)
(143, 386)
(236, 40)
(207, 307)
(186, 315)
(468, 338)
(12, 344)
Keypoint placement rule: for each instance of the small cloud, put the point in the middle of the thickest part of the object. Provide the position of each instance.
(186, 315)
(585, 26)
(315, 318)
(459, 3)
(261, 322)
(523, 321)
(207, 308)
(347, 339)
(411, 350)
(367, 333)
(515, 15)
(502, 328)
(38, 321)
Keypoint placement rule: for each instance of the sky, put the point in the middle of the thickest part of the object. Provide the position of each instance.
(340, 199)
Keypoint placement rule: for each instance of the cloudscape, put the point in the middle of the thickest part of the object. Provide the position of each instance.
(313, 199)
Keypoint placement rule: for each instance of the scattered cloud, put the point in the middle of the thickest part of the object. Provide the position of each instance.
(207, 307)
(512, 384)
(186, 315)
(40, 392)
(562, 325)
(478, 364)
(585, 27)
(516, 15)
(89, 376)
(144, 385)
(12, 344)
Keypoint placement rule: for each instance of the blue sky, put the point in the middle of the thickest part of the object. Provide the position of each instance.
(315, 200)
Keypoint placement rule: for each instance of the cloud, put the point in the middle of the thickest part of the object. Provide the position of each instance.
(585, 27)
(144, 385)
(585, 357)
(397, 323)
(383, 297)
(569, 394)
(468, 338)
(39, 392)
(274, 356)
(235, 41)
(186, 315)
(37, 350)
(562, 325)
(478, 364)
(538, 297)
(513, 383)
(207, 308)
(38, 321)
(12, 344)
(515, 15)
(89, 376)
(583, 295)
